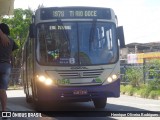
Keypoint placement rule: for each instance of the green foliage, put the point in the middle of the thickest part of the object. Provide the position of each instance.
(153, 94)
(158, 93)
(154, 84)
(154, 70)
(151, 88)
(134, 75)
(144, 92)
(19, 25)
(142, 86)
(128, 89)
(122, 89)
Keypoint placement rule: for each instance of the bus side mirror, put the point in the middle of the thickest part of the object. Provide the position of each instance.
(31, 31)
(120, 36)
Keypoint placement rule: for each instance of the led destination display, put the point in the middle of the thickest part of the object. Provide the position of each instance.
(75, 12)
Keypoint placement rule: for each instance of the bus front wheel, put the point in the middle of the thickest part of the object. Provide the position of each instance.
(100, 103)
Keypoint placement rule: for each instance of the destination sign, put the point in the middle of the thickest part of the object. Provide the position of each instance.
(75, 12)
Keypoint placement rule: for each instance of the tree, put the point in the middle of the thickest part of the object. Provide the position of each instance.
(19, 25)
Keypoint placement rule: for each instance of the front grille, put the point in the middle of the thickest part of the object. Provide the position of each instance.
(69, 74)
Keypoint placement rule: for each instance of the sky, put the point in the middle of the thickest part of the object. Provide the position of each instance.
(140, 18)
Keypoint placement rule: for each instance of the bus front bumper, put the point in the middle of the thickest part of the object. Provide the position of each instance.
(79, 93)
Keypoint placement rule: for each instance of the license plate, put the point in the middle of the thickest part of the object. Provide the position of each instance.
(80, 92)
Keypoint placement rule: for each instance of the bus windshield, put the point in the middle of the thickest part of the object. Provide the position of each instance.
(76, 43)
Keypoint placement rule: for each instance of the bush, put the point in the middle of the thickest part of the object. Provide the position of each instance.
(134, 75)
(153, 85)
(158, 93)
(153, 68)
(122, 89)
(129, 89)
(142, 86)
(143, 92)
(153, 94)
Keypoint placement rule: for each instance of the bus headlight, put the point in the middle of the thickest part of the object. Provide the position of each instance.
(109, 79)
(45, 80)
(41, 78)
(112, 78)
(48, 81)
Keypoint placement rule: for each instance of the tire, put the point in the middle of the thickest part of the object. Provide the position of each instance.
(100, 103)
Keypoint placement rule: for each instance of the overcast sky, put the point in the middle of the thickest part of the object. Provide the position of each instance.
(140, 18)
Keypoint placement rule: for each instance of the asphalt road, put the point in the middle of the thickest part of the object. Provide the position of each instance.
(85, 110)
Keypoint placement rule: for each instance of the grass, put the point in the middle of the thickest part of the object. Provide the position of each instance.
(143, 91)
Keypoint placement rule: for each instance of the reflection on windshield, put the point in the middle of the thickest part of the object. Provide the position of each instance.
(76, 43)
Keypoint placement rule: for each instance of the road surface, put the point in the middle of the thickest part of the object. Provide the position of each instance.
(16, 102)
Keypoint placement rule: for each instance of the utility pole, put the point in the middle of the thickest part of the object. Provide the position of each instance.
(144, 70)
(135, 49)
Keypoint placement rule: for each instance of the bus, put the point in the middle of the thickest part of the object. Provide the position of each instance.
(72, 54)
